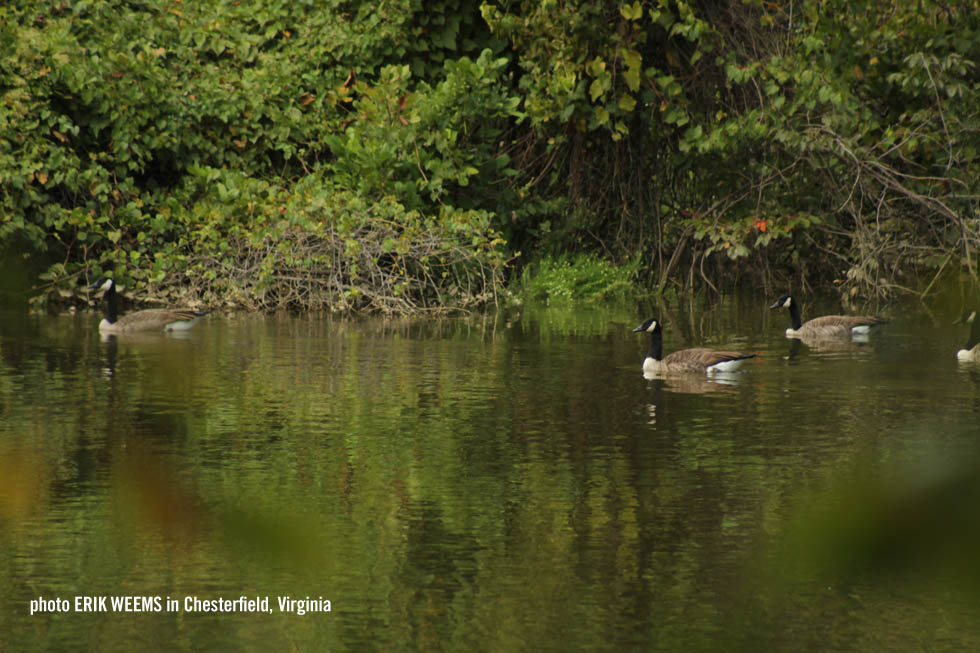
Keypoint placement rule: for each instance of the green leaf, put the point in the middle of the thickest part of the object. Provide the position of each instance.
(632, 12)
(601, 116)
(626, 102)
(596, 89)
(633, 59)
(632, 77)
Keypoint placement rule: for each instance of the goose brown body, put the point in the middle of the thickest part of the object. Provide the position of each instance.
(697, 360)
(151, 319)
(827, 326)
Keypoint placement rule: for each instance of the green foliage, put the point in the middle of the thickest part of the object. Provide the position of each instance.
(578, 278)
(248, 243)
(133, 135)
(735, 238)
(869, 127)
(849, 127)
(148, 138)
(436, 145)
(599, 65)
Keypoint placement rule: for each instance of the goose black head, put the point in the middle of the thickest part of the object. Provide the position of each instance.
(103, 284)
(650, 326)
(783, 302)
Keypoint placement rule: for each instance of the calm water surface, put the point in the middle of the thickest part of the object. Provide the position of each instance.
(485, 484)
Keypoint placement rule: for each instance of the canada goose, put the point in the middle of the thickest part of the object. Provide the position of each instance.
(697, 360)
(152, 319)
(828, 326)
(971, 352)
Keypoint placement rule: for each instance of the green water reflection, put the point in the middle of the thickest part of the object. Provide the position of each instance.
(488, 484)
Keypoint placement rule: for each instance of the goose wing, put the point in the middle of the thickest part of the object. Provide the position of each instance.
(700, 359)
(846, 321)
(157, 318)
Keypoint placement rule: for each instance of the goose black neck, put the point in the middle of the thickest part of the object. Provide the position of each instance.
(794, 315)
(656, 344)
(111, 310)
(974, 334)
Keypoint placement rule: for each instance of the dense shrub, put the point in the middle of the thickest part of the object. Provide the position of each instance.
(320, 247)
(815, 142)
(828, 141)
(168, 142)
